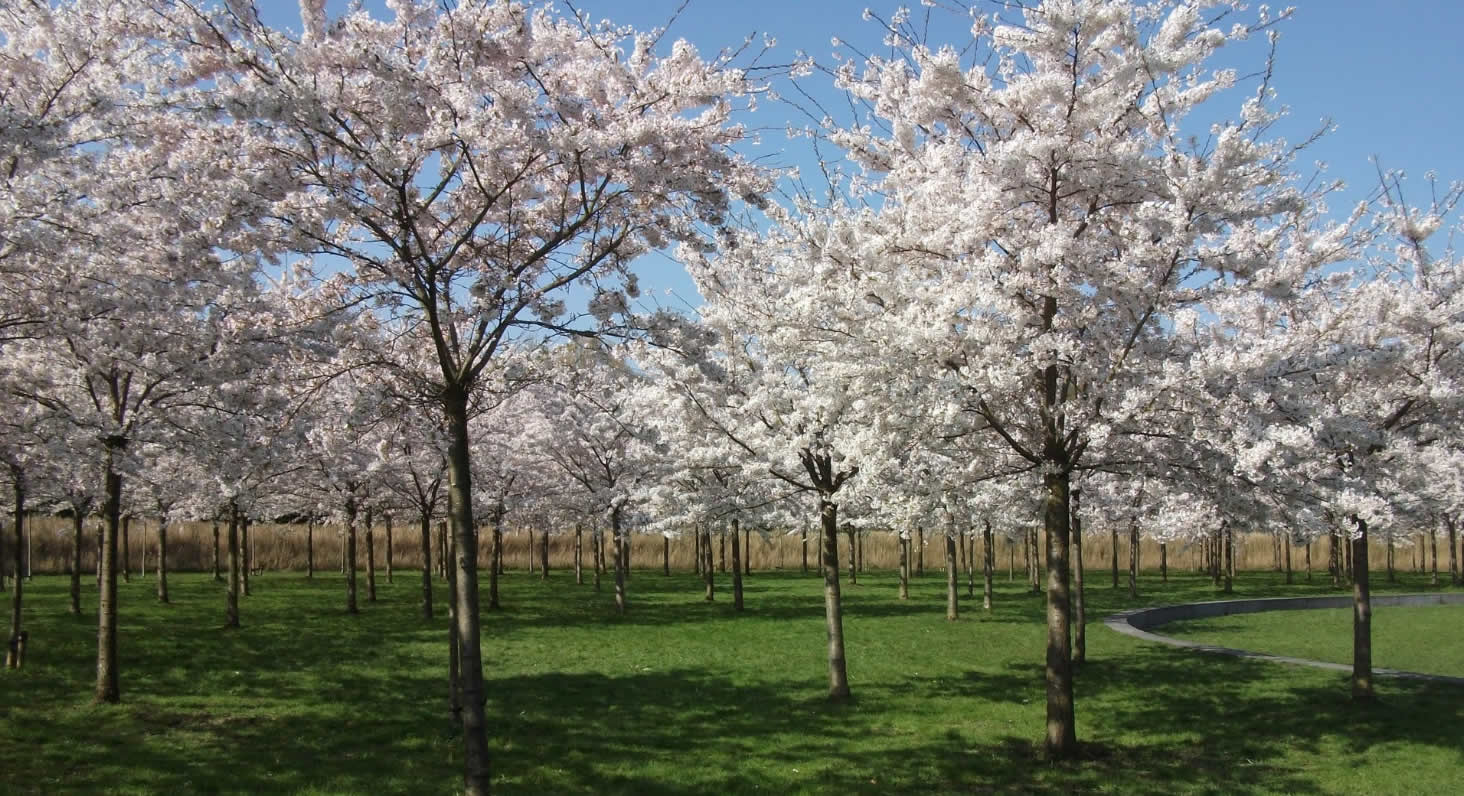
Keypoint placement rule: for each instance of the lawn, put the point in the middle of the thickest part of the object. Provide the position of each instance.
(684, 696)
(1421, 638)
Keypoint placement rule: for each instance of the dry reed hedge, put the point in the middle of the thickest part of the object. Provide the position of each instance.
(283, 547)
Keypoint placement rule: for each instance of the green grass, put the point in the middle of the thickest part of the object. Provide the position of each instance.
(682, 696)
(1423, 638)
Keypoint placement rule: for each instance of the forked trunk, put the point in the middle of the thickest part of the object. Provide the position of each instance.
(1062, 740)
(1362, 689)
(833, 604)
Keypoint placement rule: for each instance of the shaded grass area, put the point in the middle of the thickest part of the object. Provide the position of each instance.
(1417, 638)
(683, 696)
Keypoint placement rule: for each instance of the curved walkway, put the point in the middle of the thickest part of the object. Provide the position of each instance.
(1139, 622)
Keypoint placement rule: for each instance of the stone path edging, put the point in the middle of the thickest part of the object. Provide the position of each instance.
(1139, 622)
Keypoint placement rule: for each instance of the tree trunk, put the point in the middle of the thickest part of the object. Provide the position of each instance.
(1062, 741)
(495, 559)
(903, 542)
(1308, 561)
(454, 645)
(1163, 562)
(1334, 559)
(388, 548)
(666, 556)
(1080, 621)
(708, 574)
(1114, 534)
(1433, 543)
(579, 554)
(1229, 566)
(1388, 558)
(833, 604)
(1453, 550)
(15, 651)
(249, 559)
(108, 684)
(162, 568)
(465, 595)
(696, 551)
(1287, 542)
(77, 521)
(722, 552)
(231, 591)
(988, 543)
(544, 555)
(747, 553)
(530, 552)
(803, 537)
(853, 560)
(1362, 689)
(1034, 540)
(350, 557)
(919, 552)
(309, 549)
(126, 548)
(370, 560)
(217, 573)
(424, 528)
(620, 560)
(953, 576)
(597, 549)
(1133, 568)
(737, 571)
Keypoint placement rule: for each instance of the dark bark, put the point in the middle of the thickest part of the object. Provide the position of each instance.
(1388, 559)
(531, 551)
(919, 552)
(1062, 739)
(736, 568)
(747, 551)
(350, 557)
(803, 538)
(1287, 543)
(1433, 544)
(217, 573)
(1080, 607)
(666, 556)
(696, 551)
(465, 595)
(454, 645)
(953, 578)
(1229, 566)
(988, 544)
(15, 650)
(833, 604)
(1163, 562)
(544, 555)
(388, 548)
(1453, 550)
(1133, 567)
(370, 561)
(108, 682)
(495, 556)
(853, 558)
(309, 549)
(126, 548)
(1362, 689)
(245, 552)
(424, 528)
(162, 568)
(77, 523)
(722, 552)
(1308, 562)
(708, 572)
(903, 543)
(620, 559)
(598, 549)
(231, 590)
(579, 554)
(1113, 533)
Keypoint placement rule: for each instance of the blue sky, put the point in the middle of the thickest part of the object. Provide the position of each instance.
(1388, 75)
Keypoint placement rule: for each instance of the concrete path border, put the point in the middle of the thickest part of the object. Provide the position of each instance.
(1139, 622)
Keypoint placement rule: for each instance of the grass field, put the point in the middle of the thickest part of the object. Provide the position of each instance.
(1424, 638)
(683, 696)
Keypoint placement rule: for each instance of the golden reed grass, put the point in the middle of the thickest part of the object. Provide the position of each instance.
(283, 547)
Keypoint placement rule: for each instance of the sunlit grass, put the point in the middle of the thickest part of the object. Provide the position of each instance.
(684, 696)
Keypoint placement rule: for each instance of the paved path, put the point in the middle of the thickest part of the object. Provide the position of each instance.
(1139, 622)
